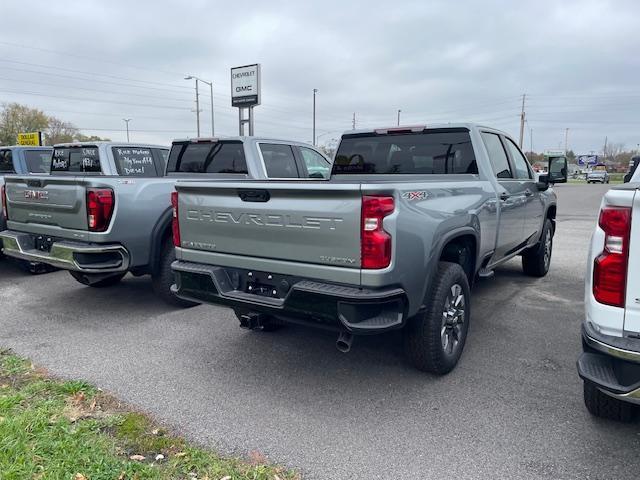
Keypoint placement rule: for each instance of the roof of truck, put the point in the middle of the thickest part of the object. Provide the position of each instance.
(467, 125)
(242, 139)
(30, 147)
(109, 144)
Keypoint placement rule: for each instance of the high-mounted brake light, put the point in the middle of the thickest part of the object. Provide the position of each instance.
(5, 208)
(175, 225)
(610, 267)
(404, 129)
(100, 203)
(375, 242)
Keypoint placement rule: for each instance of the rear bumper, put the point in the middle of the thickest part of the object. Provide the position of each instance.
(67, 254)
(297, 300)
(611, 363)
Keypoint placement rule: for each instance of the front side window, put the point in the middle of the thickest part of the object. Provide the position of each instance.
(78, 159)
(279, 160)
(317, 165)
(519, 161)
(136, 162)
(38, 161)
(6, 162)
(497, 155)
(431, 152)
(207, 157)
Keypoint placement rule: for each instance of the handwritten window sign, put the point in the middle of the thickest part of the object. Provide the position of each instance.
(76, 160)
(136, 162)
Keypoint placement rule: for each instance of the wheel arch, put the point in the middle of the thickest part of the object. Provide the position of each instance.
(160, 232)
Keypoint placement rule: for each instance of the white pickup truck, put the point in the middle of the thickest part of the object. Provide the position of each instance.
(610, 364)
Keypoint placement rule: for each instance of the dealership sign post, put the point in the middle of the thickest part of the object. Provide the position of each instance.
(245, 93)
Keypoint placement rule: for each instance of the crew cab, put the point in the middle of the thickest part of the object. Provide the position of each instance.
(20, 159)
(106, 209)
(393, 239)
(610, 362)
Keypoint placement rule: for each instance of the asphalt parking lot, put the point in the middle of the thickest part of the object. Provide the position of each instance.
(512, 408)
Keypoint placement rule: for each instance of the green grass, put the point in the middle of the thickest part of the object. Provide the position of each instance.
(52, 429)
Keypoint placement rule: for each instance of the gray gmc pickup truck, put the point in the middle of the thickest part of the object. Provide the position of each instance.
(394, 239)
(105, 210)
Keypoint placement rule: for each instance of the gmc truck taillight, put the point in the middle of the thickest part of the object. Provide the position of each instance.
(175, 226)
(375, 242)
(5, 208)
(610, 267)
(100, 203)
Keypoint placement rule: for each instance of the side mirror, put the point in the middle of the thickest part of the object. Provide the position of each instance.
(543, 182)
(558, 170)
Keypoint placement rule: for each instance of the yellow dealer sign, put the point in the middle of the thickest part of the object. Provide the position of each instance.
(30, 138)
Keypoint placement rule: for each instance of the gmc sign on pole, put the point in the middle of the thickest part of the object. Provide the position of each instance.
(245, 86)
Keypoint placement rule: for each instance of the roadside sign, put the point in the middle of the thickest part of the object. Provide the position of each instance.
(587, 159)
(245, 86)
(30, 138)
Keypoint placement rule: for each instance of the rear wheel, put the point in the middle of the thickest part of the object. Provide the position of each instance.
(163, 278)
(602, 405)
(435, 338)
(537, 259)
(90, 280)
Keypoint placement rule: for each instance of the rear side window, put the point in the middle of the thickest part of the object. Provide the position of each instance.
(136, 162)
(279, 160)
(437, 152)
(317, 165)
(76, 160)
(218, 157)
(497, 155)
(162, 154)
(6, 162)
(38, 161)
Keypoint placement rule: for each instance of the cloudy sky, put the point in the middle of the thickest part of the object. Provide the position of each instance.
(94, 63)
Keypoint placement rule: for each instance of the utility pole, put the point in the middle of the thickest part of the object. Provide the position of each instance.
(522, 117)
(353, 122)
(315, 90)
(530, 144)
(126, 121)
(192, 77)
(566, 140)
(399, 116)
(604, 150)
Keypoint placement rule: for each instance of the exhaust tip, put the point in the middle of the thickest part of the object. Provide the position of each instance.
(344, 342)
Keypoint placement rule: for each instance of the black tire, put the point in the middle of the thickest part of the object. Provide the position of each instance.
(537, 259)
(602, 405)
(424, 335)
(163, 278)
(87, 279)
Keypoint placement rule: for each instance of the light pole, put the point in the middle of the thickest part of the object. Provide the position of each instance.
(315, 90)
(399, 116)
(193, 77)
(126, 121)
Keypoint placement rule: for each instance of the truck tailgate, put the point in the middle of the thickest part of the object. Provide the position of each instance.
(46, 200)
(291, 221)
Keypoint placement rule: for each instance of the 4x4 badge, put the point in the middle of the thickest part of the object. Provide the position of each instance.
(419, 195)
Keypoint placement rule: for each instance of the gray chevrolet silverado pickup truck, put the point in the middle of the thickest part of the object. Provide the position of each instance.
(106, 208)
(408, 219)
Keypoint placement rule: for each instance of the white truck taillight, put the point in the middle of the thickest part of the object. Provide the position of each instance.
(100, 203)
(610, 267)
(375, 242)
(5, 208)
(175, 225)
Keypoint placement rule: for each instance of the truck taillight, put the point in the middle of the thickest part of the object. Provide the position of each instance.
(5, 208)
(100, 203)
(610, 267)
(375, 242)
(175, 226)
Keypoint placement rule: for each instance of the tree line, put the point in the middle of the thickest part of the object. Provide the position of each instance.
(16, 118)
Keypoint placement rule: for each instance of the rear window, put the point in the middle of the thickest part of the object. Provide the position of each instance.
(6, 162)
(76, 160)
(137, 162)
(38, 161)
(210, 157)
(437, 152)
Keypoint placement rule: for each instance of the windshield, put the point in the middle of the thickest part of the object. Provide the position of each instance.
(38, 161)
(445, 151)
(80, 159)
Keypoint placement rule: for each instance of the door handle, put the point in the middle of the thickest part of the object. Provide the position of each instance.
(504, 196)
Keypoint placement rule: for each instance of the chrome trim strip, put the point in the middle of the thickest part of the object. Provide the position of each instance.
(623, 354)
